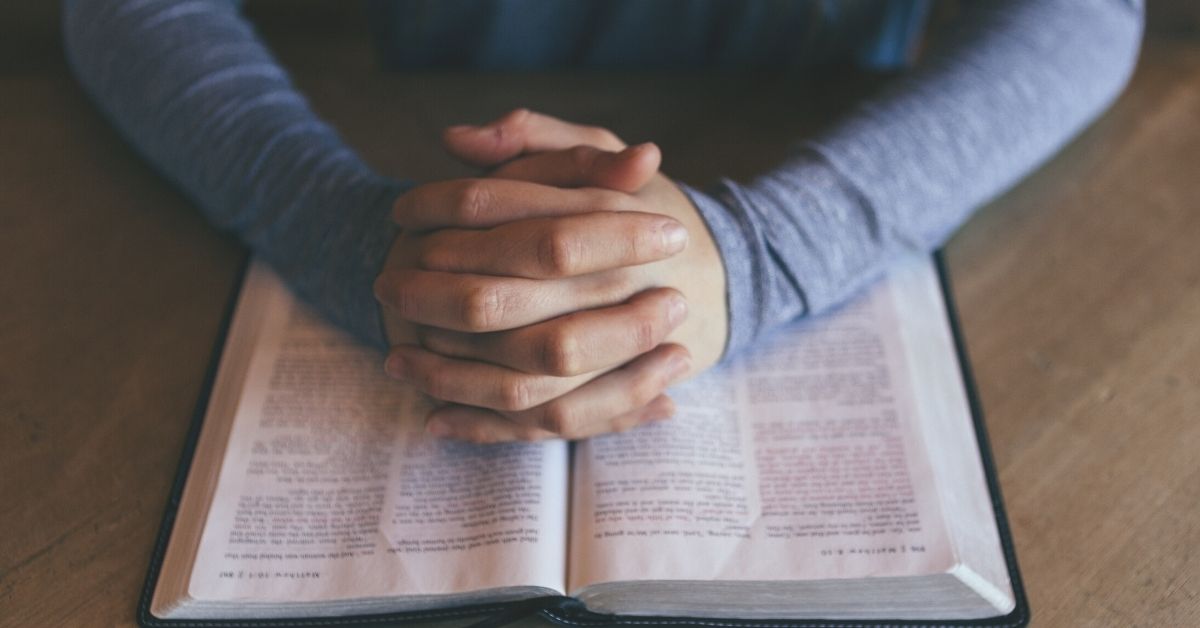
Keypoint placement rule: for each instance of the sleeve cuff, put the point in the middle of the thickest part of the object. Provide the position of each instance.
(732, 231)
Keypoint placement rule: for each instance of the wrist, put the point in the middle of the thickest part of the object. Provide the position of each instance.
(722, 232)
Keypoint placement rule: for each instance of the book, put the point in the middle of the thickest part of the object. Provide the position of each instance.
(839, 472)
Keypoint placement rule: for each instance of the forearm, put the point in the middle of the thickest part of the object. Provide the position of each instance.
(901, 172)
(193, 89)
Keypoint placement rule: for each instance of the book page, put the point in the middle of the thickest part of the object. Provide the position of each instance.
(330, 491)
(803, 461)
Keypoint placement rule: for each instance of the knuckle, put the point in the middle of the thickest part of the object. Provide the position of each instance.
(516, 394)
(646, 237)
(644, 333)
(644, 244)
(512, 127)
(474, 198)
(394, 289)
(560, 354)
(482, 308)
(558, 253)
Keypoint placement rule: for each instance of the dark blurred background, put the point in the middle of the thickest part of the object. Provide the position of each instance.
(29, 31)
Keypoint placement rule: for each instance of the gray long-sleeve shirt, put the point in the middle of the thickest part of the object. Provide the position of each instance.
(190, 85)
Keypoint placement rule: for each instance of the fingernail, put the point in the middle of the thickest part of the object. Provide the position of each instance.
(674, 236)
(438, 428)
(676, 311)
(459, 128)
(395, 367)
(678, 367)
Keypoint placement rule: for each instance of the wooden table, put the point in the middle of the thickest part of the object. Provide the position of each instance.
(1079, 293)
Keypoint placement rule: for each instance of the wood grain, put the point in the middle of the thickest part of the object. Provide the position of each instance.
(1079, 293)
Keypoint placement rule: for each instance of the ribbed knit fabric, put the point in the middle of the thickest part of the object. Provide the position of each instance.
(190, 85)
(1015, 82)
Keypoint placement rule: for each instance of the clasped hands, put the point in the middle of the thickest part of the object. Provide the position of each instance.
(557, 297)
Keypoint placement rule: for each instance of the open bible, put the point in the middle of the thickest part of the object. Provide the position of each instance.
(835, 473)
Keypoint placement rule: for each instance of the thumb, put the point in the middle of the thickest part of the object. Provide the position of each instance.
(521, 132)
(585, 166)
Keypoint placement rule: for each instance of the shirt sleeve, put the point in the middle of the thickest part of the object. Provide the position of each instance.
(1014, 81)
(191, 87)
